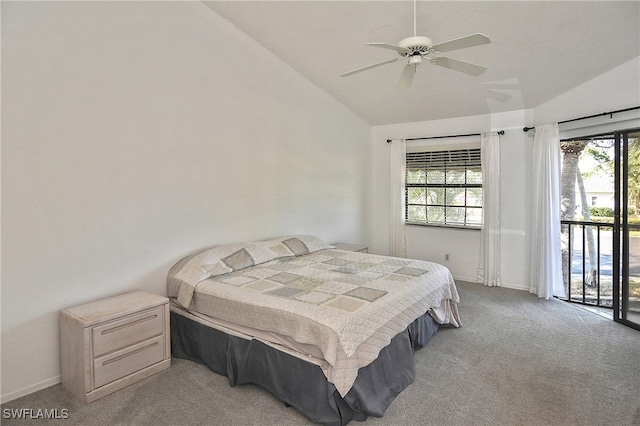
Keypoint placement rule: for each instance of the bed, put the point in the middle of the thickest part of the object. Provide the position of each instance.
(329, 332)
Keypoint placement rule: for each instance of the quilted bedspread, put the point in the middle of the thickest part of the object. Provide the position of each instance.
(347, 304)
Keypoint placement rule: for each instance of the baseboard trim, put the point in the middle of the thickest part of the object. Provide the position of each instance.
(30, 389)
(512, 286)
(515, 286)
(465, 279)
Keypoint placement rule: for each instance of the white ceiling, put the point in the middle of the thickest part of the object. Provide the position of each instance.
(538, 50)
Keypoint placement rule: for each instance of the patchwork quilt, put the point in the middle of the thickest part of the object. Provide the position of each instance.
(349, 305)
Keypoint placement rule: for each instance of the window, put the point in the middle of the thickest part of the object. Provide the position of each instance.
(444, 188)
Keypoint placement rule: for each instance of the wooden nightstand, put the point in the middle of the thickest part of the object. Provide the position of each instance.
(352, 247)
(112, 343)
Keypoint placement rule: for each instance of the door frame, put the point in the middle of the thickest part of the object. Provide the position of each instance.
(621, 230)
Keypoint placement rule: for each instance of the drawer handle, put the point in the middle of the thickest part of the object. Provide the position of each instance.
(129, 324)
(121, 357)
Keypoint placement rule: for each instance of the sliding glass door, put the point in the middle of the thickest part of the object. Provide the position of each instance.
(626, 232)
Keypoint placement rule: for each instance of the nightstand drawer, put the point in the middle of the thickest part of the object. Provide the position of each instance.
(129, 360)
(118, 334)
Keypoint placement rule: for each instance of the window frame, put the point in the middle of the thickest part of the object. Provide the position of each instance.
(432, 160)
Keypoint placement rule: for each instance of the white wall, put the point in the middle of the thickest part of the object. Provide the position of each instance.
(135, 132)
(463, 246)
(617, 89)
(614, 90)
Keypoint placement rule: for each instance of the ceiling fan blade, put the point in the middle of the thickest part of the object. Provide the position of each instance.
(391, 46)
(462, 42)
(406, 78)
(368, 67)
(457, 65)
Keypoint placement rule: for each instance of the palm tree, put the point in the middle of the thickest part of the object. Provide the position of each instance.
(634, 174)
(591, 245)
(571, 151)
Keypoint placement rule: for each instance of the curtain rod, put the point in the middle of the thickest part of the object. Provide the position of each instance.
(500, 132)
(526, 129)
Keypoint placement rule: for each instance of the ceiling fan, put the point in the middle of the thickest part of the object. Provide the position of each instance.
(417, 48)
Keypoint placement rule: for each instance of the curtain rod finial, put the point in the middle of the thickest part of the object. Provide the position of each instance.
(388, 140)
(526, 129)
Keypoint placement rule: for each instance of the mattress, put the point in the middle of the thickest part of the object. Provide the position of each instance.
(339, 307)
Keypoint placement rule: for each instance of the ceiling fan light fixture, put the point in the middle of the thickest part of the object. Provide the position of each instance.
(415, 59)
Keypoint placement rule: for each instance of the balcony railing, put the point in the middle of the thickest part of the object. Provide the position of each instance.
(587, 262)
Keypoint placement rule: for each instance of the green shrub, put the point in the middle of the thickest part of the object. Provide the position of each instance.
(601, 219)
(601, 211)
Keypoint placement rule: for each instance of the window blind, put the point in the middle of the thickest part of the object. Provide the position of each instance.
(444, 188)
(444, 159)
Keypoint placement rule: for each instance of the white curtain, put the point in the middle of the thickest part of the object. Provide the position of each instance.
(397, 170)
(489, 268)
(546, 260)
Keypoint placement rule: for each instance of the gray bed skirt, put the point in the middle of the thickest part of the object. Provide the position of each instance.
(299, 383)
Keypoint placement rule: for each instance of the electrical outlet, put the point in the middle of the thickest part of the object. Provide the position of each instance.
(446, 257)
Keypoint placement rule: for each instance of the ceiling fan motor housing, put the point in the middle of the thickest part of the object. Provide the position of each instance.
(416, 45)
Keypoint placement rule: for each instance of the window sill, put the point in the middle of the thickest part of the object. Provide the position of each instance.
(433, 225)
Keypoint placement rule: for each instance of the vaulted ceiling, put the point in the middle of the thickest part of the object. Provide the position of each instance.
(538, 50)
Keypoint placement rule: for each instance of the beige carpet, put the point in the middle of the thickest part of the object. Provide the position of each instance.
(517, 360)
